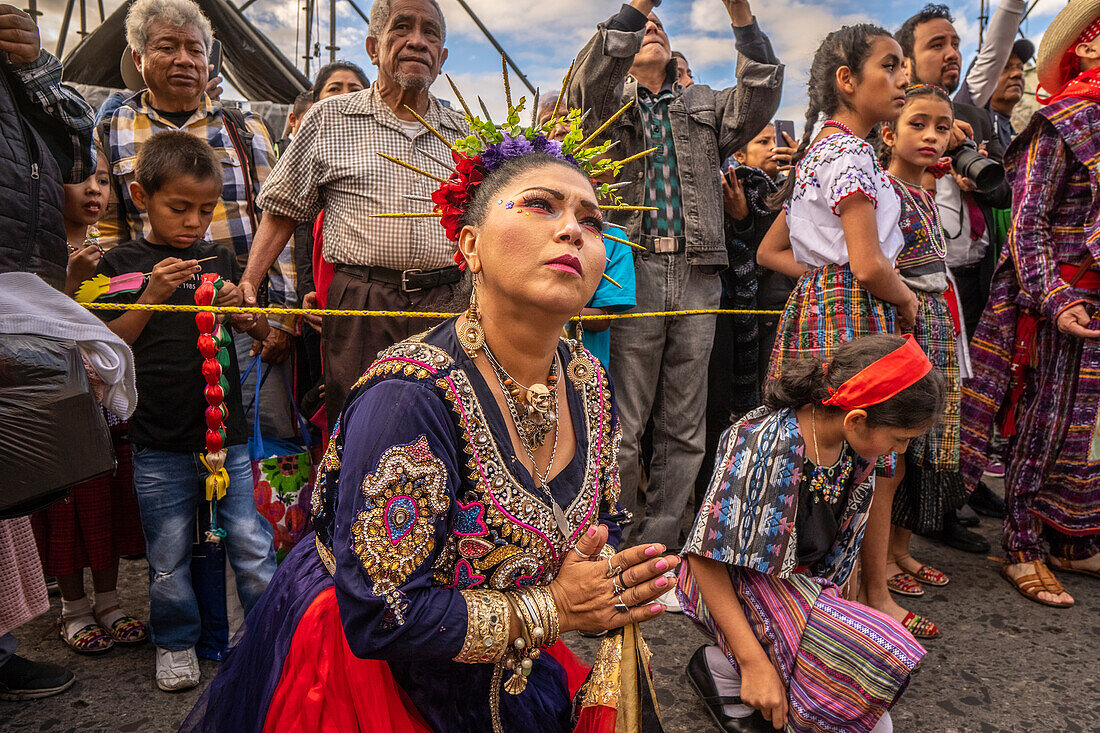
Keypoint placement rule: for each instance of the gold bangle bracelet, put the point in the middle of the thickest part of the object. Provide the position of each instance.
(487, 627)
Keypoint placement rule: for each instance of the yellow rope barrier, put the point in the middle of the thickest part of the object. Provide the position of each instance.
(164, 307)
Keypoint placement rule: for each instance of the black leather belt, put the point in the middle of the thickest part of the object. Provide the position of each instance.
(409, 281)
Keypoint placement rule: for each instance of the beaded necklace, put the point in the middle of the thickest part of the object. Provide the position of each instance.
(840, 126)
(828, 482)
(929, 219)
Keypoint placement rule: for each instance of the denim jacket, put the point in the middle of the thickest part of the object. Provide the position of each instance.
(707, 125)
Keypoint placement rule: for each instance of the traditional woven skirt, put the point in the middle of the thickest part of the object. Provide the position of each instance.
(97, 524)
(828, 308)
(932, 483)
(843, 664)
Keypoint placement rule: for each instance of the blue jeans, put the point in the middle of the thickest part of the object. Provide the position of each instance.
(170, 489)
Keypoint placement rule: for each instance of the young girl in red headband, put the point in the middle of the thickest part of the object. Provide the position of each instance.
(778, 534)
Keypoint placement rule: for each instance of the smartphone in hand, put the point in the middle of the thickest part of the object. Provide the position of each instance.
(783, 127)
(215, 58)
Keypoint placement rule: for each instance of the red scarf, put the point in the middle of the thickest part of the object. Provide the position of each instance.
(1085, 85)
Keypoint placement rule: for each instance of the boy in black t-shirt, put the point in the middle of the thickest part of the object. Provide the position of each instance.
(179, 181)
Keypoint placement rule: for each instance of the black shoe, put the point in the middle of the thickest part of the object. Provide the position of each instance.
(698, 674)
(966, 516)
(959, 537)
(22, 679)
(986, 503)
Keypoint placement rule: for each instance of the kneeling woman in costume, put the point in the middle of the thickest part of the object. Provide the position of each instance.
(778, 533)
(464, 520)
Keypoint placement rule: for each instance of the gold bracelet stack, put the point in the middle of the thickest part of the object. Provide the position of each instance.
(488, 618)
(539, 629)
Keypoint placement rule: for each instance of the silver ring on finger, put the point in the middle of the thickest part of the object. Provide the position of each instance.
(581, 554)
(619, 605)
(612, 571)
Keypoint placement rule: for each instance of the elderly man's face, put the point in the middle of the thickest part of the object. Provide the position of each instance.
(1010, 86)
(174, 66)
(655, 48)
(409, 51)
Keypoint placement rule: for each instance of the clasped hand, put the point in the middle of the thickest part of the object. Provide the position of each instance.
(586, 597)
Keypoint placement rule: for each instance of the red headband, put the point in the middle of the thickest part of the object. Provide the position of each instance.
(882, 379)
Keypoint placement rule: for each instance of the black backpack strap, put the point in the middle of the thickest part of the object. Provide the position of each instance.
(241, 137)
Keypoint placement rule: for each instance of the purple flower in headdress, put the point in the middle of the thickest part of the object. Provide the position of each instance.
(510, 147)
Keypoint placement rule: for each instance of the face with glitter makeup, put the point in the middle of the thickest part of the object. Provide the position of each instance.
(540, 244)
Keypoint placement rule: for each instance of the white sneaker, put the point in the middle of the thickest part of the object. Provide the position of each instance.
(668, 599)
(177, 671)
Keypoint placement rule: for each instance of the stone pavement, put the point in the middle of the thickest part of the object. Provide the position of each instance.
(1002, 663)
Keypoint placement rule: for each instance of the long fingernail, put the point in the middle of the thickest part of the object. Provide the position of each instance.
(661, 582)
(651, 550)
(662, 564)
(591, 531)
(656, 608)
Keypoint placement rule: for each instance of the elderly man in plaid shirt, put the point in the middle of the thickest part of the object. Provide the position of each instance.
(660, 364)
(171, 42)
(381, 264)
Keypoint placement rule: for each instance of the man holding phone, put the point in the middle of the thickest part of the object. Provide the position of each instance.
(660, 364)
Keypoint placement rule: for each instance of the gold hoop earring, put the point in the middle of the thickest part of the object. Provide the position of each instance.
(579, 370)
(472, 335)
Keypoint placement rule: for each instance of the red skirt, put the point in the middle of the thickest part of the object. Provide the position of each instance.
(96, 525)
(325, 688)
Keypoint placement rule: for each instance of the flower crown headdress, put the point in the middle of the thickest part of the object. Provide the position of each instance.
(488, 145)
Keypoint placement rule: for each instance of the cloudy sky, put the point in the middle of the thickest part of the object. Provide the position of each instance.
(544, 35)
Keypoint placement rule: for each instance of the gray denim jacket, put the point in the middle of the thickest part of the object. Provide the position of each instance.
(707, 127)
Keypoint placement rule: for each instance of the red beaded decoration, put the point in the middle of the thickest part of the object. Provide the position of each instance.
(213, 344)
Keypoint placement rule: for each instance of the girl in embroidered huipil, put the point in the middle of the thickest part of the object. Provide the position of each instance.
(466, 510)
(928, 482)
(779, 531)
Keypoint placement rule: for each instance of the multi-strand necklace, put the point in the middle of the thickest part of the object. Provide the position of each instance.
(535, 407)
(929, 219)
(828, 482)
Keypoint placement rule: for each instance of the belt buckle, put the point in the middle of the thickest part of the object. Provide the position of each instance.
(664, 245)
(405, 288)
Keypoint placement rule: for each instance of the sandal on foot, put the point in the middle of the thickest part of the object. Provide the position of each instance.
(91, 639)
(1058, 564)
(1032, 584)
(930, 576)
(904, 584)
(126, 630)
(920, 627)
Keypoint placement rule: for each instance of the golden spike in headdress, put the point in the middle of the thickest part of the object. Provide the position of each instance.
(486, 111)
(621, 163)
(404, 214)
(465, 107)
(430, 129)
(411, 167)
(561, 93)
(625, 207)
(588, 140)
(624, 241)
(535, 109)
(450, 167)
(507, 86)
(610, 280)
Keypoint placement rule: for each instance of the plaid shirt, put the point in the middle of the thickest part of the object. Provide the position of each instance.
(332, 164)
(42, 81)
(134, 123)
(662, 185)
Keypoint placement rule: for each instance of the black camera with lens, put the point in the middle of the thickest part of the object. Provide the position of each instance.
(986, 174)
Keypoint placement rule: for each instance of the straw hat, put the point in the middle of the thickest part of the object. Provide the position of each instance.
(1061, 37)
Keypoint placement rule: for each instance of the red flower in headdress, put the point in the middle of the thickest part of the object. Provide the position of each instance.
(450, 198)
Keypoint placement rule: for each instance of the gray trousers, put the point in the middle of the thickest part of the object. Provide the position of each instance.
(276, 415)
(659, 367)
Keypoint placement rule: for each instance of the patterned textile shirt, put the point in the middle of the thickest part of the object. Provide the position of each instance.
(662, 186)
(333, 164)
(42, 81)
(134, 123)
